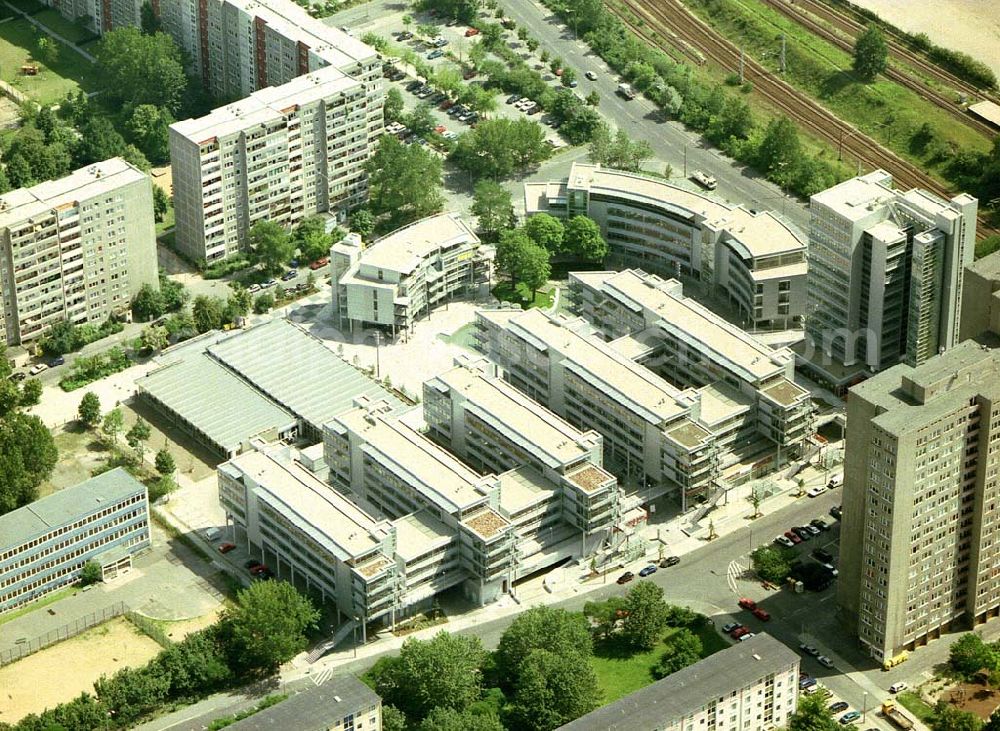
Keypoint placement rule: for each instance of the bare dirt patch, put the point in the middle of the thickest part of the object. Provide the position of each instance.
(63, 671)
(80, 452)
(973, 698)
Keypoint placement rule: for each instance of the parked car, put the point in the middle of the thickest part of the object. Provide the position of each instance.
(290, 274)
(449, 135)
(820, 523)
(831, 569)
(591, 75)
(898, 687)
(784, 541)
(440, 129)
(739, 632)
(747, 636)
(835, 512)
(320, 263)
(404, 35)
(802, 533)
(226, 547)
(835, 482)
(729, 627)
(513, 98)
(647, 570)
(259, 569)
(251, 563)
(414, 85)
(850, 717)
(37, 368)
(558, 72)
(762, 614)
(809, 649)
(253, 288)
(816, 491)
(793, 537)
(669, 561)
(825, 661)
(269, 283)
(56, 361)
(806, 681)
(823, 555)
(748, 604)
(573, 84)
(18, 376)
(446, 105)
(839, 706)
(626, 577)
(813, 530)
(471, 32)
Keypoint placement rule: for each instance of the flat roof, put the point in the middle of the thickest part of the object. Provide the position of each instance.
(590, 478)
(524, 487)
(80, 185)
(988, 267)
(635, 386)
(419, 533)
(403, 249)
(690, 322)
(298, 371)
(856, 198)
(487, 523)
(685, 692)
(316, 508)
(785, 392)
(270, 104)
(213, 400)
(988, 111)
(440, 476)
(313, 709)
(519, 418)
(688, 434)
(720, 401)
(66, 506)
(762, 233)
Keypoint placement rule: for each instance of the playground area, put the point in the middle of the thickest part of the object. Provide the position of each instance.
(21, 66)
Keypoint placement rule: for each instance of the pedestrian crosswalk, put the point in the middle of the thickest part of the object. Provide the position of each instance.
(323, 676)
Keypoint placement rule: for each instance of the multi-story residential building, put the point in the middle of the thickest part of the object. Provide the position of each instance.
(981, 298)
(691, 347)
(280, 155)
(753, 259)
(751, 686)
(403, 275)
(342, 703)
(885, 276)
(496, 428)
(44, 545)
(78, 249)
(920, 541)
(650, 427)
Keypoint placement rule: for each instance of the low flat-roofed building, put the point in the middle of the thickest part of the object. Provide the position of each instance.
(342, 703)
(654, 324)
(562, 363)
(400, 277)
(751, 686)
(756, 260)
(45, 544)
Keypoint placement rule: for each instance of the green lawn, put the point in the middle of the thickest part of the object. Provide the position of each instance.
(619, 674)
(912, 702)
(69, 73)
(520, 295)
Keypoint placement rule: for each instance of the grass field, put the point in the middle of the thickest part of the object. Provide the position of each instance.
(69, 73)
(912, 702)
(520, 295)
(619, 674)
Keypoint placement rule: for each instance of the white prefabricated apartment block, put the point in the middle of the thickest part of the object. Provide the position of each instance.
(78, 249)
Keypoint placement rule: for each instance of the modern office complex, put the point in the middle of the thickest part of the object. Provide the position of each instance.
(44, 545)
(281, 154)
(753, 259)
(751, 686)
(650, 427)
(343, 703)
(920, 541)
(748, 398)
(885, 273)
(981, 298)
(400, 277)
(78, 249)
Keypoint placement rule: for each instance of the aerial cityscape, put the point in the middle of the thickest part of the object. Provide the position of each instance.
(499, 365)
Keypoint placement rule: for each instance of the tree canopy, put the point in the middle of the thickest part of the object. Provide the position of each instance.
(496, 148)
(27, 456)
(448, 719)
(270, 246)
(89, 410)
(812, 714)
(646, 616)
(969, 654)
(522, 260)
(871, 53)
(552, 690)
(137, 69)
(683, 649)
(541, 628)
(547, 231)
(405, 182)
(582, 239)
(772, 563)
(493, 207)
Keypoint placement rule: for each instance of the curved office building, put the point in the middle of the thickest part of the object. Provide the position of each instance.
(752, 259)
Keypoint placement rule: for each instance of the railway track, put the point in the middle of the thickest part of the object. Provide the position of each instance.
(801, 11)
(669, 19)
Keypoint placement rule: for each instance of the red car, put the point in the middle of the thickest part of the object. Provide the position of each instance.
(226, 547)
(471, 32)
(739, 632)
(260, 569)
(748, 604)
(762, 614)
(320, 263)
(793, 537)
(440, 129)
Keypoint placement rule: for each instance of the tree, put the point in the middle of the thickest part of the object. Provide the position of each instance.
(582, 239)
(521, 259)
(101, 141)
(441, 672)
(149, 129)
(270, 246)
(137, 437)
(149, 22)
(91, 573)
(780, 148)
(969, 654)
(552, 690)
(646, 616)
(405, 182)
(755, 498)
(175, 294)
(541, 628)
(154, 338)
(48, 51)
(772, 563)
(812, 714)
(568, 76)
(593, 98)
(164, 462)
(555, 64)
(491, 35)
(362, 222)
(263, 303)
(547, 231)
(498, 147)
(62, 337)
(147, 303)
(89, 410)
(208, 313)
(448, 719)
(239, 302)
(478, 98)
(132, 693)
(312, 240)
(31, 393)
(141, 69)
(267, 626)
(161, 204)
(606, 616)
(493, 207)
(392, 107)
(113, 424)
(195, 666)
(683, 649)
(421, 120)
(27, 456)
(871, 54)
(949, 718)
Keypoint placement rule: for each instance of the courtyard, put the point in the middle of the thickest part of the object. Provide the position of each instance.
(68, 72)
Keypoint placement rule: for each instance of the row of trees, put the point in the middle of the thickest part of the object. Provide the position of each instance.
(264, 628)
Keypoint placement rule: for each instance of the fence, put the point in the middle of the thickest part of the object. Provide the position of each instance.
(71, 629)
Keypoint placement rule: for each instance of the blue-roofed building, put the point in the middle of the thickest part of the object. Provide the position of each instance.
(44, 545)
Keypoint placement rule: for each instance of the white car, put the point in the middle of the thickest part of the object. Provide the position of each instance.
(785, 541)
(816, 491)
(825, 661)
(747, 636)
(449, 135)
(898, 687)
(36, 369)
